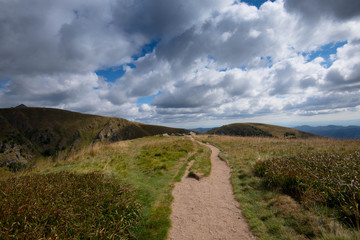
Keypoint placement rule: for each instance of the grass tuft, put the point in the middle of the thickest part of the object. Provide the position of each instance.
(202, 163)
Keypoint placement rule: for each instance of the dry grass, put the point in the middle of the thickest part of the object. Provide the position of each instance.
(326, 178)
(67, 206)
(270, 213)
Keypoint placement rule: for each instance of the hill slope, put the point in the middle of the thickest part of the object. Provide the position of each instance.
(340, 132)
(26, 133)
(259, 130)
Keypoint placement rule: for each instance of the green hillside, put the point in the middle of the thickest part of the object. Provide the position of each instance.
(259, 130)
(28, 133)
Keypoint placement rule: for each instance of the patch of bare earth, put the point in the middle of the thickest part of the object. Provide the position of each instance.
(206, 209)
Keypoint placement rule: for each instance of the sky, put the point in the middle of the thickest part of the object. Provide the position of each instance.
(185, 63)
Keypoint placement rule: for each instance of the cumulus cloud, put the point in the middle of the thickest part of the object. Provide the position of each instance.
(211, 60)
(162, 18)
(344, 74)
(344, 9)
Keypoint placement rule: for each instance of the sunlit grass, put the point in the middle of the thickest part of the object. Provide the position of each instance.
(149, 165)
(202, 164)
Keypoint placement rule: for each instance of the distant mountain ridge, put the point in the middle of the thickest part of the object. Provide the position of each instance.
(260, 130)
(333, 131)
(201, 130)
(27, 133)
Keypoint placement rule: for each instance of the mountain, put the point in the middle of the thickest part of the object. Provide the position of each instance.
(259, 130)
(333, 131)
(201, 130)
(27, 133)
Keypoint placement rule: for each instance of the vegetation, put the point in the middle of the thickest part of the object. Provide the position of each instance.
(259, 130)
(202, 164)
(145, 168)
(82, 177)
(29, 133)
(270, 213)
(155, 159)
(327, 178)
(67, 206)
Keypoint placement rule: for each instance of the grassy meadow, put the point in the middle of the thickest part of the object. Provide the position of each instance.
(281, 202)
(114, 191)
(286, 188)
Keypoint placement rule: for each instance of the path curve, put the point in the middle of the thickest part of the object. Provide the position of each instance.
(206, 209)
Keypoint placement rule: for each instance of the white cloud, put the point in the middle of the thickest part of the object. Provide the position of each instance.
(214, 60)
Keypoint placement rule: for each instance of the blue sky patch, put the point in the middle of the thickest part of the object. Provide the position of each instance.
(268, 61)
(3, 81)
(131, 65)
(324, 51)
(147, 100)
(243, 68)
(256, 3)
(147, 48)
(113, 73)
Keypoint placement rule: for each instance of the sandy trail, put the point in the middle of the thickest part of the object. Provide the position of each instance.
(206, 209)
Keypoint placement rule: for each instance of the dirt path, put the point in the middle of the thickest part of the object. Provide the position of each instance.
(206, 209)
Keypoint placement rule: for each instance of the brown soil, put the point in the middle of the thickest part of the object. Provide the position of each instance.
(206, 209)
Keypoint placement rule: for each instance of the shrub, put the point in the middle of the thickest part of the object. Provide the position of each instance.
(16, 166)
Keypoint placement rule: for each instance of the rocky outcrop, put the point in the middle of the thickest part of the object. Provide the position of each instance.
(13, 156)
(109, 131)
